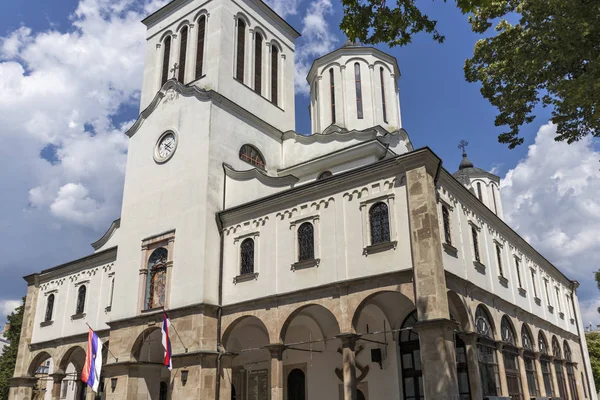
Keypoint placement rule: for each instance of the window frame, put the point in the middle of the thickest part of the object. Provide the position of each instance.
(365, 206)
(262, 167)
(358, 90)
(240, 49)
(45, 320)
(315, 220)
(166, 58)
(81, 310)
(332, 94)
(383, 102)
(237, 241)
(474, 237)
(201, 22)
(275, 74)
(258, 61)
(149, 244)
(184, 46)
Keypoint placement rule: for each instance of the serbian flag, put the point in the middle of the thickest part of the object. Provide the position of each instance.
(93, 361)
(166, 341)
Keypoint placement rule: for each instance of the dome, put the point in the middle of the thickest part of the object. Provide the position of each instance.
(465, 163)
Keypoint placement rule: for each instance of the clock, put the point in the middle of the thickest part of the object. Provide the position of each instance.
(165, 147)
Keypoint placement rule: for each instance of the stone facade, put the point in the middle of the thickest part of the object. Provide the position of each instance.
(343, 264)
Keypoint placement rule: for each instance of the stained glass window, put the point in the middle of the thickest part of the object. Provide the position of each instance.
(183, 53)
(157, 278)
(241, 50)
(258, 45)
(446, 220)
(380, 224)
(80, 299)
(166, 55)
(49, 308)
(475, 243)
(252, 156)
(306, 242)
(247, 257)
(200, 46)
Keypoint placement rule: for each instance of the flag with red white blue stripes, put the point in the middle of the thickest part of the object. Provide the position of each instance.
(166, 341)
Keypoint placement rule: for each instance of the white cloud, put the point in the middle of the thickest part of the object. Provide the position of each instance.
(7, 307)
(317, 39)
(284, 7)
(552, 198)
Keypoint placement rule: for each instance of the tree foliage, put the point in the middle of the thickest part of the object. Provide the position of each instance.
(548, 55)
(8, 359)
(593, 343)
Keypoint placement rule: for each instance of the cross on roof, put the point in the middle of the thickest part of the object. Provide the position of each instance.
(463, 145)
(174, 69)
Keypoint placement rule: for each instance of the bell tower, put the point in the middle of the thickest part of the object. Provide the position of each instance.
(354, 87)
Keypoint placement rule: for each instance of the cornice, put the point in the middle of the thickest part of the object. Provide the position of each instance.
(96, 259)
(172, 86)
(262, 177)
(335, 133)
(469, 199)
(80, 337)
(116, 224)
(421, 157)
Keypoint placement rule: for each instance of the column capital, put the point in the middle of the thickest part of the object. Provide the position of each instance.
(58, 376)
(435, 323)
(25, 381)
(348, 339)
(468, 337)
(500, 346)
(276, 350)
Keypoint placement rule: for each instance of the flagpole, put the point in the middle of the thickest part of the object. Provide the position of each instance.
(173, 326)
(107, 349)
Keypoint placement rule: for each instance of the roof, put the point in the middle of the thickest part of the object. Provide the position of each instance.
(467, 169)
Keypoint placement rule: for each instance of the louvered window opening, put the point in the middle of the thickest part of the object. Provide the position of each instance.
(258, 47)
(379, 223)
(383, 106)
(241, 50)
(274, 74)
(183, 54)
(200, 46)
(306, 242)
(332, 93)
(165, 66)
(247, 257)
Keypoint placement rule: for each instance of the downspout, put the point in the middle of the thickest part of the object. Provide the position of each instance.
(220, 291)
(574, 285)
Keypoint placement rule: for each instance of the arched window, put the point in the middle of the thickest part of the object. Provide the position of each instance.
(383, 95)
(410, 356)
(241, 50)
(558, 367)
(570, 371)
(486, 350)
(359, 103)
(252, 156)
(510, 355)
(182, 53)
(200, 46)
(379, 223)
(49, 308)
(508, 335)
(446, 221)
(247, 257)
(494, 197)
(306, 242)
(324, 174)
(258, 46)
(545, 365)
(80, 299)
(529, 360)
(479, 194)
(166, 55)
(332, 93)
(499, 258)
(274, 73)
(156, 279)
(296, 385)
(475, 236)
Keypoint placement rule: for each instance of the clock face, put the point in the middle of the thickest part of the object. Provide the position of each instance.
(165, 147)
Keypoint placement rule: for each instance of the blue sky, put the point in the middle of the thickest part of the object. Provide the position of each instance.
(65, 176)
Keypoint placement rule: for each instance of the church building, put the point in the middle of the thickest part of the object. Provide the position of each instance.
(344, 264)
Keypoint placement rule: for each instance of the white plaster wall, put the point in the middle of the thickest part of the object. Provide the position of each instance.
(340, 236)
(65, 289)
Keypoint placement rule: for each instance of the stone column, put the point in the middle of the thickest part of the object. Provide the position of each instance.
(29, 311)
(470, 340)
(523, 373)
(566, 380)
(501, 369)
(57, 379)
(276, 370)
(436, 330)
(21, 388)
(554, 378)
(226, 378)
(349, 364)
(540, 376)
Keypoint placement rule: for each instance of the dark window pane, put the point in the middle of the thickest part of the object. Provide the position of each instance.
(165, 66)
(359, 105)
(183, 54)
(475, 243)
(446, 221)
(241, 50)
(49, 308)
(81, 299)
(380, 224)
(332, 92)
(306, 243)
(383, 107)
(258, 45)
(274, 74)
(200, 46)
(247, 257)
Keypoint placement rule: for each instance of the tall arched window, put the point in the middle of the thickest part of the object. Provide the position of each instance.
(529, 360)
(274, 74)
(49, 308)
(510, 354)
(410, 356)
(545, 365)
(166, 60)
(383, 95)
(241, 50)
(306, 242)
(486, 349)
(156, 280)
(80, 299)
(379, 223)
(570, 372)
(357, 83)
(558, 367)
(182, 53)
(446, 221)
(296, 385)
(479, 193)
(499, 258)
(494, 197)
(200, 46)
(332, 93)
(247, 257)
(252, 156)
(475, 236)
(258, 46)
